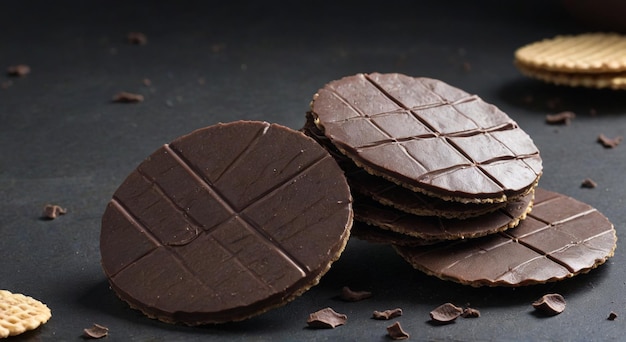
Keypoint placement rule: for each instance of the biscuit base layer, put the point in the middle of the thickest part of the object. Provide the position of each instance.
(615, 81)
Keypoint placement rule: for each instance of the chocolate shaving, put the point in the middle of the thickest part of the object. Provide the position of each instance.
(612, 316)
(396, 333)
(52, 211)
(588, 183)
(125, 97)
(446, 313)
(354, 296)
(609, 142)
(387, 314)
(96, 331)
(550, 304)
(326, 318)
(19, 70)
(137, 38)
(562, 118)
(470, 313)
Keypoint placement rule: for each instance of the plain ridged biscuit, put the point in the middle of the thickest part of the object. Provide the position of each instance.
(614, 81)
(585, 53)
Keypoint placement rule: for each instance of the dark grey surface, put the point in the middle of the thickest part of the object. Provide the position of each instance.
(64, 142)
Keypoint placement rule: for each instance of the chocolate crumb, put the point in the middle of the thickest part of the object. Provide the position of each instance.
(137, 38)
(588, 183)
(562, 118)
(147, 82)
(467, 66)
(396, 332)
(609, 142)
(19, 70)
(550, 304)
(353, 296)
(446, 313)
(612, 316)
(326, 318)
(387, 314)
(6, 84)
(96, 331)
(470, 313)
(52, 211)
(125, 97)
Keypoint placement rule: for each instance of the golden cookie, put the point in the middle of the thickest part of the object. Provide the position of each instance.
(585, 53)
(19, 313)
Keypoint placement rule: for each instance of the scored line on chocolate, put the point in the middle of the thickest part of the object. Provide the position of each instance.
(233, 212)
(480, 130)
(122, 209)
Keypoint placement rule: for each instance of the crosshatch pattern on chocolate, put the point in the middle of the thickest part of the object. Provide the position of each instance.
(213, 223)
(549, 245)
(426, 135)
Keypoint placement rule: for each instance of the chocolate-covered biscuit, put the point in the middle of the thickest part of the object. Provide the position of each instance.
(428, 136)
(434, 228)
(225, 223)
(560, 238)
(392, 194)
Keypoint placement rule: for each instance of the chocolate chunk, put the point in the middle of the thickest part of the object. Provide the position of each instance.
(137, 38)
(96, 331)
(560, 238)
(588, 183)
(396, 332)
(446, 313)
(612, 316)
(52, 211)
(385, 122)
(19, 70)
(354, 296)
(550, 304)
(432, 228)
(387, 314)
(470, 313)
(562, 118)
(609, 142)
(126, 97)
(225, 223)
(326, 319)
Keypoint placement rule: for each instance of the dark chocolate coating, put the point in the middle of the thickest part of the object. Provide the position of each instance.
(225, 223)
(560, 238)
(428, 136)
(392, 194)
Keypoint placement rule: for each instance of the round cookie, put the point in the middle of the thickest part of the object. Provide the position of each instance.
(428, 136)
(20, 313)
(433, 228)
(584, 53)
(225, 223)
(559, 239)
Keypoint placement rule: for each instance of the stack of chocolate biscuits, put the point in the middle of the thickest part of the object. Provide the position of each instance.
(444, 177)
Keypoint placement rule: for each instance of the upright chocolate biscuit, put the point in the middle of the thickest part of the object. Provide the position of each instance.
(560, 238)
(428, 136)
(225, 223)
